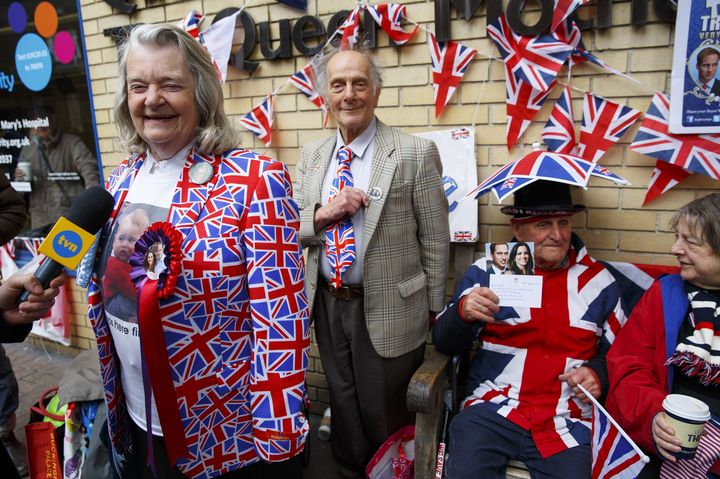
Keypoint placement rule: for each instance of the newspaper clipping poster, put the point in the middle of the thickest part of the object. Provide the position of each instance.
(695, 94)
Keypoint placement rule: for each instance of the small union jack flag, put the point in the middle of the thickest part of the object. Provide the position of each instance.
(191, 23)
(304, 80)
(523, 103)
(614, 456)
(559, 131)
(535, 60)
(604, 123)
(665, 176)
(390, 17)
(449, 62)
(462, 236)
(697, 153)
(349, 30)
(259, 120)
(460, 133)
(563, 9)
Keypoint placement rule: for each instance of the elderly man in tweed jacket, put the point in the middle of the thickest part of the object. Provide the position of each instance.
(371, 312)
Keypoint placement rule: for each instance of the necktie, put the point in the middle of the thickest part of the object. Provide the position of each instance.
(705, 86)
(339, 236)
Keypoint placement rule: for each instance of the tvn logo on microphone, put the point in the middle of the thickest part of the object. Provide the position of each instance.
(66, 243)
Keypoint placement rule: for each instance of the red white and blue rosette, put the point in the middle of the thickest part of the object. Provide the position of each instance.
(164, 242)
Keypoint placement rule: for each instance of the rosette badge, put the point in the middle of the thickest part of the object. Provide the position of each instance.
(157, 258)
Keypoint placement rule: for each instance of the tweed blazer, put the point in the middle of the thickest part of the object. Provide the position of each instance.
(236, 327)
(406, 237)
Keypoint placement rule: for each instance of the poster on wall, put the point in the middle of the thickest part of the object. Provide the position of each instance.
(48, 140)
(457, 153)
(695, 93)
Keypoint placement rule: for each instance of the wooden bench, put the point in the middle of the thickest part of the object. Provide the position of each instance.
(429, 385)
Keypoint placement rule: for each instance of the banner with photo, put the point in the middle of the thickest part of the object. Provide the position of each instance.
(457, 153)
(695, 88)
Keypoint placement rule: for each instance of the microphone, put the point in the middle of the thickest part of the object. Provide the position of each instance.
(72, 236)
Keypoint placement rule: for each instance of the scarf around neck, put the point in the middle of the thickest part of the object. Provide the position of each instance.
(698, 355)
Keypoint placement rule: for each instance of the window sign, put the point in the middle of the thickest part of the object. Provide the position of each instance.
(48, 140)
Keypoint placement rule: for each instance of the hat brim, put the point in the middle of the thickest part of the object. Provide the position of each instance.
(545, 210)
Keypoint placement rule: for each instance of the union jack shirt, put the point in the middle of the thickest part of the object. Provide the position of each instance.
(515, 370)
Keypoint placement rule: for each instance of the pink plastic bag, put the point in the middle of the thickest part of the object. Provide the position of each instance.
(395, 458)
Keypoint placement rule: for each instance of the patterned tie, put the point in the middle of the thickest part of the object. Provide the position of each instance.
(339, 236)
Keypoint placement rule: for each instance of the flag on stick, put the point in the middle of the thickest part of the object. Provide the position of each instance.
(614, 454)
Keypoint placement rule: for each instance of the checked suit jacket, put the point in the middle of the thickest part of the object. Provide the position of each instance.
(406, 237)
(236, 327)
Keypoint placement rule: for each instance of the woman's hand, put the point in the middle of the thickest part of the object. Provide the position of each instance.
(664, 437)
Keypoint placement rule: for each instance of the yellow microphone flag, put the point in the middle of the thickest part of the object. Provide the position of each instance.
(66, 243)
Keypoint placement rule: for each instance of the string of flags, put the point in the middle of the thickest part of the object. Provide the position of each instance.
(532, 64)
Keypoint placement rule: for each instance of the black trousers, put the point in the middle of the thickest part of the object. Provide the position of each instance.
(367, 391)
(290, 469)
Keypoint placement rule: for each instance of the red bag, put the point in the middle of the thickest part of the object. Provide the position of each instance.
(44, 440)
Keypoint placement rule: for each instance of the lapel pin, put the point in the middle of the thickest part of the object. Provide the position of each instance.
(201, 172)
(375, 193)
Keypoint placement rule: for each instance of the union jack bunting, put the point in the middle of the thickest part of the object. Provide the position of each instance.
(697, 153)
(191, 23)
(390, 17)
(449, 62)
(304, 80)
(340, 236)
(559, 131)
(349, 30)
(523, 103)
(259, 120)
(665, 176)
(563, 9)
(604, 123)
(613, 455)
(535, 60)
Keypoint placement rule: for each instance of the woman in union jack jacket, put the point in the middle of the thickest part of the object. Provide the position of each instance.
(207, 378)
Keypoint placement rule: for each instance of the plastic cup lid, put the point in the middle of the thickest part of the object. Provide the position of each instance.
(686, 407)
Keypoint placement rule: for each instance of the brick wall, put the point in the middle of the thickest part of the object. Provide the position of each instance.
(615, 225)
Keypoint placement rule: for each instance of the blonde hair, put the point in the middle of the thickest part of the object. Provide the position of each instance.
(215, 133)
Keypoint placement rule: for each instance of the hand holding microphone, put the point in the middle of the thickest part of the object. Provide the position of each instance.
(36, 307)
(71, 236)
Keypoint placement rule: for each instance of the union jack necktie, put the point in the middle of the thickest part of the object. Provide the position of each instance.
(339, 236)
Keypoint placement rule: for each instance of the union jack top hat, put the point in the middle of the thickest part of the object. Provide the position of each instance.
(542, 198)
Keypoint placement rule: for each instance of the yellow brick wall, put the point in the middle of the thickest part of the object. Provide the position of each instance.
(615, 226)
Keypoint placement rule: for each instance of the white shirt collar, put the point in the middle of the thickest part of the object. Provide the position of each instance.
(359, 144)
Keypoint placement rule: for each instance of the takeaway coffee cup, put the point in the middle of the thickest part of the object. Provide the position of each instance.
(687, 416)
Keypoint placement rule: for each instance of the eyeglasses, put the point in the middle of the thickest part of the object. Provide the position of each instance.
(126, 239)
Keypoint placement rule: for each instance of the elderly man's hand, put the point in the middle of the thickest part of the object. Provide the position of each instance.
(664, 437)
(480, 304)
(344, 205)
(37, 305)
(587, 378)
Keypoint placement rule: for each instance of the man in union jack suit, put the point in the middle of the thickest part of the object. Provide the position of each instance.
(204, 377)
(375, 220)
(523, 401)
